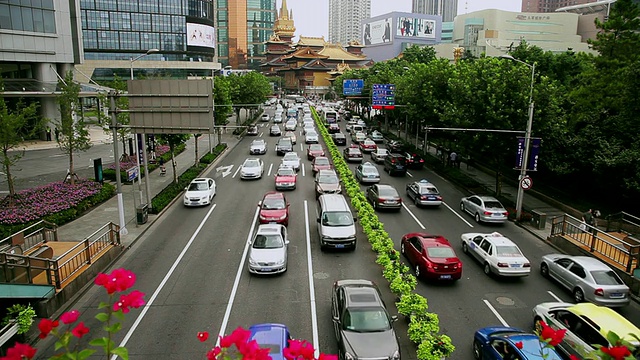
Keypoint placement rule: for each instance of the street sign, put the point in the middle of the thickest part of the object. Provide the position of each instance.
(352, 87)
(383, 96)
(132, 173)
(526, 183)
(534, 151)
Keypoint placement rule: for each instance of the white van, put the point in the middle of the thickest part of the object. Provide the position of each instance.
(336, 224)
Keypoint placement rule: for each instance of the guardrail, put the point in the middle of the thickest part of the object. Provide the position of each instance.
(611, 247)
(31, 236)
(623, 222)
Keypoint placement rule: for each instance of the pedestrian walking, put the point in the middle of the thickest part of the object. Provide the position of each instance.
(48, 134)
(57, 133)
(453, 158)
(589, 220)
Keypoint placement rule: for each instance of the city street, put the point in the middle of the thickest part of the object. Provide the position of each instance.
(192, 267)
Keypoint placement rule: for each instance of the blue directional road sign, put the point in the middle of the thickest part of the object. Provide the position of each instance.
(352, 87)
(383, 96)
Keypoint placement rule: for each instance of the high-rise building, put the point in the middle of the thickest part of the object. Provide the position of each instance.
(243, 28)
(345, 19)
(448, 9)
(547, 6)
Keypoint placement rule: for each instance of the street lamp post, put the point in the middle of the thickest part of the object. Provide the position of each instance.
(144, 137)
(527, 137)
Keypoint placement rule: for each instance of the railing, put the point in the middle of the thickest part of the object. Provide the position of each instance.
(623, 222)
(84, 252)
(617, 250)
(33, 235)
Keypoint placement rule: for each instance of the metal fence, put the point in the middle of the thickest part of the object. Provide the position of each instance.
(33, 236)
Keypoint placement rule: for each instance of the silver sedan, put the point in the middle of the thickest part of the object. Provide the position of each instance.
(484, 209)
(367, 173)
(589, 279)
(268, 252)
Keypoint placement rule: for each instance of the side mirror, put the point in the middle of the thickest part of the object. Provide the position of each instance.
(394, 318)
(355, 218)
(288, 204)
(286, 242)
(185, 189)
(335, 319)
(318, 220)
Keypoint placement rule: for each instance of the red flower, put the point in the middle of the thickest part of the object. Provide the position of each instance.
(45, 326)
(80, 330)
(616, 352)
(573, 357)
(203, 336)
(132, 300)
(519, 344)
(328, 357)
(299, 348)
(239, 337)
(553, 337)
(70, 317)
(118, 280)
(20, 352)
(213, 353)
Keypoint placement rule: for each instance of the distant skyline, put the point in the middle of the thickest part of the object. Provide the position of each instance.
(312, 17)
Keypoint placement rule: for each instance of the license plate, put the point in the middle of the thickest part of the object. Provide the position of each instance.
(445, 276)
(497, 214)
(339, 246)
(431, 197)
(516, 265)
(616, 295)
(389, 202)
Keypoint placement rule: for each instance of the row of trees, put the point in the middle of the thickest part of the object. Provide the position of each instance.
(21, 120)
(586, 107)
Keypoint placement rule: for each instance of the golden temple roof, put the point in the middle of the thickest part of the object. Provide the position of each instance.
(311, 41)
(337, 52)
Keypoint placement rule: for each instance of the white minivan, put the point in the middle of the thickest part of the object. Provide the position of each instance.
(336, 224)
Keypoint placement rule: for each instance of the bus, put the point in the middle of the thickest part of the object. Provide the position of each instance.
(330, 116)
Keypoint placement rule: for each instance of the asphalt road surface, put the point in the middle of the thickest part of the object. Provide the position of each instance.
(192, 267)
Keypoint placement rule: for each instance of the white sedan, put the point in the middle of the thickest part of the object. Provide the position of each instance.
(291, 159)
(498, 254)
(311, 137)
(252, 168)
(199, 192)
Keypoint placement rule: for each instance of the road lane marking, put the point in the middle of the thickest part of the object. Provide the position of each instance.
(312, 294)
(458, 215)
(147, 306)
(413, 216)
(236, 282)
(301, 147)
(408, 173)
(261, 134)
(270, 168)
(555, 296)
(495, 312)
(302, 166)
(236, 173)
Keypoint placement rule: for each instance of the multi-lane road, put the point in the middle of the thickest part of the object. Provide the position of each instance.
(192, 267)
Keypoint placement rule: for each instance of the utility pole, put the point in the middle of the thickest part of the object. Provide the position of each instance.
(116, 155)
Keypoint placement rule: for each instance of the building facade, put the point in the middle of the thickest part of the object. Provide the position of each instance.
(386, 36)
(547, 6)
(447, 9)
(243, 28)
(345, 19)
(39, 43)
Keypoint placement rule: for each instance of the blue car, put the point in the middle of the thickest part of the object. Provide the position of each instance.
(274, 337)
(502, 343)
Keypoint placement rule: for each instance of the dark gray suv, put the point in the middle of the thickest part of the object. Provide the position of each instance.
(395, 164)
(284, 146)
(363, 328)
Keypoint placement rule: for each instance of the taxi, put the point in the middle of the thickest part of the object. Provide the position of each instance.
(587, 325)
(497, 254)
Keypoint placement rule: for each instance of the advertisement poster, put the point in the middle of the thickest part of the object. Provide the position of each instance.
(201, 35)
(413, 27)
(377, 32)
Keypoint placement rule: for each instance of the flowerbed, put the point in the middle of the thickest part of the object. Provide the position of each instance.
(424, 329)
(162, 153)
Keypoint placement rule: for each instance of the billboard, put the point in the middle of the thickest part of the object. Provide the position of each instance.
(377, 32)
(415, 27)
(201, 36)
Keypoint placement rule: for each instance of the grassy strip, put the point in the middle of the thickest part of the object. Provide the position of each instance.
(424, 328)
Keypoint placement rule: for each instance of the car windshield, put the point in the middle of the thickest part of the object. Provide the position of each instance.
(327, 179)
(492, 205)
(369, 142)
(315, 147)
(366, 320)
(251, 163)
(606, 277)
(258, 142)
(311, 133)
(322, 161)
(284, 142)
(273, 348)
(387, 191)
(199, 186)
(369, 170)
(290, 157)
(382, 151)
(273, 204)
(286, 172)
(440, 252)
(508, 251)
(428, 190)
(337, 218)
(268, 242)
(339, 135)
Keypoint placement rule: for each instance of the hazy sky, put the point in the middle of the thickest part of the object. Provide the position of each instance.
(312, 17)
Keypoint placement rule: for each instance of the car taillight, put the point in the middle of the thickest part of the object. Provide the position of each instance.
(526, 265)
(506, 213)
(487, 212)
(429, 264)
(423, 197)
(503, 264)
(380, 200)
(393, 161)
(599, 292)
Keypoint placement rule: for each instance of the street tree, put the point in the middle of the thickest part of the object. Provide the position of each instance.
(15, 125)
(618, 37)
(74, 132)
(222, 103)
(416, 54)
(122, 117)
(173, 140)
(249, 90)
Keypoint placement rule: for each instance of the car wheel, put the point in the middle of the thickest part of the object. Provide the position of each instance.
(417, 270)
(487, 269)
(578, 295)
(402, 248)
(477, 218)
(415, 201)
(375, 205)
(465, 249)
(477, 350)
(544, 270)
(462, 207)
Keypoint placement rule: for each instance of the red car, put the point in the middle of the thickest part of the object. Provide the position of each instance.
(431, 256)
(286, 178)
(314, 150)
(368, 145)
(274, 208)
(320, 163)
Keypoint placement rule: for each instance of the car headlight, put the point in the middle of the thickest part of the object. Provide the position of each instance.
(252, 262)
(186, 198)
(396, 355)
(280, 262)
(204, 198)
(282, 217)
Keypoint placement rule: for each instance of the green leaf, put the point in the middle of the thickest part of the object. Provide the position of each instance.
(119, 314)
(103, 305)
(122, 352)
(114, 328)
(85, 354)
(102, 317)
(101, 342)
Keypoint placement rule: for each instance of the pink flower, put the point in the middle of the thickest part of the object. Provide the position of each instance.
(238, 337)
(203, 336)
(519, 344)
(132, 300)
(617, 352)
(213, 353)
(80, 330)
(553, 337)
(70, 317)
(45, 326)
(20, 352)
(117, 280)
(299, 348)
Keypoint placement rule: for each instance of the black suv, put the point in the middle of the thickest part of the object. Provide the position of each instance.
(339, 138)
(395, 164)
(284, 146)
